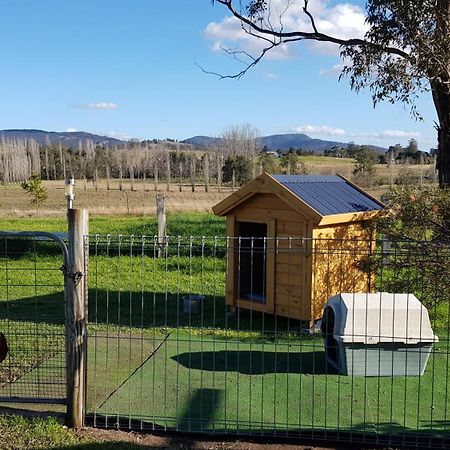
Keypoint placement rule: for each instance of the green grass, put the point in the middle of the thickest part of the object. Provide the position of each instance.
(179, 224)
(17, 433)
(312, 159)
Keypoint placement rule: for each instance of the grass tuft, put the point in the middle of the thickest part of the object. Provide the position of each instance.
(21, 433)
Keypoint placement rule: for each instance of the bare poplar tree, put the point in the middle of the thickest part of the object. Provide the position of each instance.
(46, 147)
(192, 170)
(206, 171)
(62, 161)
(168, 170)
(219, 160)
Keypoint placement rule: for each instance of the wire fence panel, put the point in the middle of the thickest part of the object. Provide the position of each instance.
(228, 335)
(32, 319)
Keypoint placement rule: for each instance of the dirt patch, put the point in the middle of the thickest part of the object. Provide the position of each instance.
(152, 441)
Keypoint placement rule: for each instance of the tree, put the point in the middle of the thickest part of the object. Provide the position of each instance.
(237, 168)
(418, 224)
(292, 164)
(240, 140)
(269, 163)
(405, 51)
(34, 187)
(365, 165)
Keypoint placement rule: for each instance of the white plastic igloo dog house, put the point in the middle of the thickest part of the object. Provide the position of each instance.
(379, 334)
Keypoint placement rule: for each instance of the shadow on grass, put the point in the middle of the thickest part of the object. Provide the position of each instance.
(147, 310)
(199, 411)
(257, 362)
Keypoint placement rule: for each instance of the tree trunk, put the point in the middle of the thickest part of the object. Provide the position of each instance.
(206, 171)
(107, 176)
(46, 164)
(441, 98)
(155, 175)
(168, 170)
(192, 172)
(219, 171)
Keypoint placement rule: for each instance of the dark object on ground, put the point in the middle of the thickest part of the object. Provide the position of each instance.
(3, 347)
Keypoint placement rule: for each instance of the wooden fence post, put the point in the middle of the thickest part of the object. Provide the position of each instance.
(75, 288)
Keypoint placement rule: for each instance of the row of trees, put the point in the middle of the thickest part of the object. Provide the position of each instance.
(235, 159)
(396, 154)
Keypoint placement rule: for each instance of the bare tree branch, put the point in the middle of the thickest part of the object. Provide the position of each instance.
(303, 35)
(234, 53)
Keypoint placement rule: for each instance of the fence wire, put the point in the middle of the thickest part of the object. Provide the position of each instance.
(227, 336)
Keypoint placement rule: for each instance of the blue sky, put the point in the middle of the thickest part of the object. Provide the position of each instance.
(128, 69)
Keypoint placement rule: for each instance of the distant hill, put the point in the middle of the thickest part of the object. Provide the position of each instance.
(202, 141)
(272, 142)
(67, 139)
(282, 142)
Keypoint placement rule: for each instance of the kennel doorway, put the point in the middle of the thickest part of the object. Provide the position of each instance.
(252, 262)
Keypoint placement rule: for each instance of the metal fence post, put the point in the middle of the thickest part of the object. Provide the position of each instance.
(75, 287)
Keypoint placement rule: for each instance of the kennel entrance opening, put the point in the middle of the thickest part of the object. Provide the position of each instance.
(252, 262)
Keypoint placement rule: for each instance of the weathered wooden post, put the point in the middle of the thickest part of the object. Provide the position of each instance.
(75, 288)
(161, 214)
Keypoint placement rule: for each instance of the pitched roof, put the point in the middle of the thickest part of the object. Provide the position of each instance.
(324, 199)
(328, 194)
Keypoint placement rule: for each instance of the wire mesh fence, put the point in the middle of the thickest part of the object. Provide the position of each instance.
(32, 319)
(227, 335)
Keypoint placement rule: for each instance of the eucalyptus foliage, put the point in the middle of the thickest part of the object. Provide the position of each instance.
(406, 51)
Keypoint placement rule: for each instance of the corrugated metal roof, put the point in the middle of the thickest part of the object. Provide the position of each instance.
(328, 194)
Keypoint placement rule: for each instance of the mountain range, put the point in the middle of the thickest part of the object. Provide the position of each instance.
(282, 142)
(272, 142)
(66, 138)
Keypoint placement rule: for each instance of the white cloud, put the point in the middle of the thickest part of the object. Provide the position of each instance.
(118, 135)
(320, 130)
(71, 130)
(229, 35)
(101, 105)
(343, 20)
(269, 75)
(334, 70)
(384, 135)
(399, 134)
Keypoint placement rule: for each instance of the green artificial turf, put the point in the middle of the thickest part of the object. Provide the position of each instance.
(199, 384)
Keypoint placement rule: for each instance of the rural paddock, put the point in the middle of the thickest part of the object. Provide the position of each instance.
(164, 353)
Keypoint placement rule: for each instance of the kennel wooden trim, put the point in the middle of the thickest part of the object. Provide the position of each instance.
(310, 210)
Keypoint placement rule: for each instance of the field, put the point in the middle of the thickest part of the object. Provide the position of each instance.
(139, 199)
(150, 362)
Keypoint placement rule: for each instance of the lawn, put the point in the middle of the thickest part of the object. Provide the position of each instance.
(178, 224)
